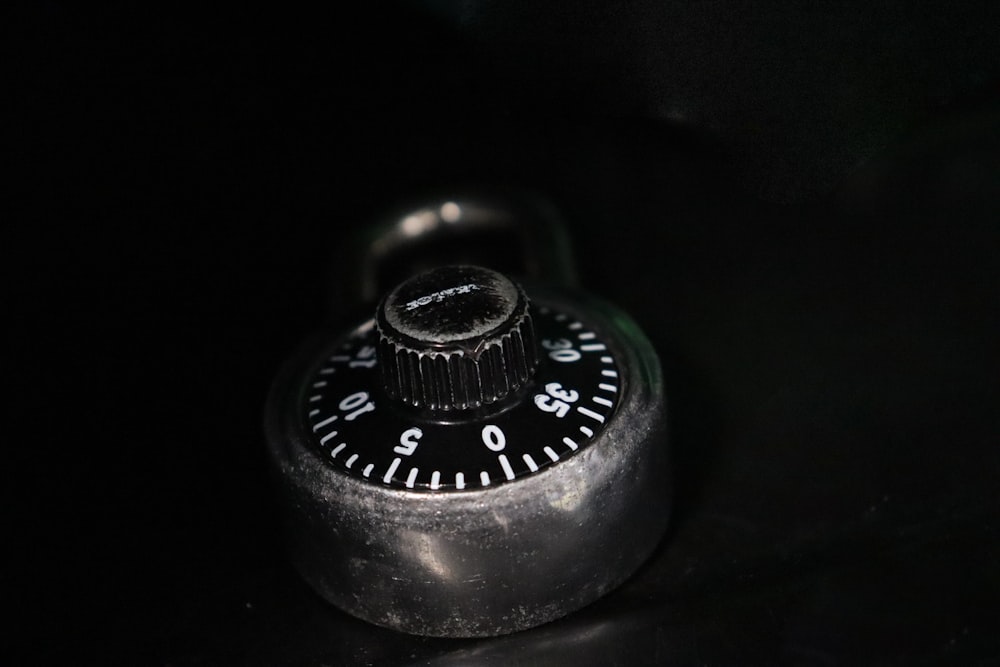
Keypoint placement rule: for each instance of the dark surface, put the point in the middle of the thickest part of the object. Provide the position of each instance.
(799, 206)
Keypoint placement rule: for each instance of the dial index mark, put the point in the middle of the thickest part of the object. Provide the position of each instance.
(387, 477)
(505, 464)
(590, 413)
(328, 420)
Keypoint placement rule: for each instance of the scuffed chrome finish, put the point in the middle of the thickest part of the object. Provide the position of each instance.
(483, 561)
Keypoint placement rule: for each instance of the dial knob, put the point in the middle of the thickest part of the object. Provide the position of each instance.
(443, 476)
(455, 338)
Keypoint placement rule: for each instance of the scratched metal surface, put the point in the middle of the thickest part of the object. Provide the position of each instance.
(807, 231)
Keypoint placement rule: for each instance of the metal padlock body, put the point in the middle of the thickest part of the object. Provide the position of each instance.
(488, 560)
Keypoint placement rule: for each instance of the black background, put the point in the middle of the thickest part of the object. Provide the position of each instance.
(800, 206)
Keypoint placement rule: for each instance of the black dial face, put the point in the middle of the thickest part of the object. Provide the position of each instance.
(358, 430)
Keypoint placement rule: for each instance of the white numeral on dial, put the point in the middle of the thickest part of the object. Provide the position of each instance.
(408, 441)
(493, 438)
(561, 350)
(556, 399)
(356, 400)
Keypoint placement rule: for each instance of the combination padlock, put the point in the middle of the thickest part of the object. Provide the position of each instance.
(476, 458)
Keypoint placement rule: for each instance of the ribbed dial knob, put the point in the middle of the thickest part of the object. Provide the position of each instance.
(455, 338)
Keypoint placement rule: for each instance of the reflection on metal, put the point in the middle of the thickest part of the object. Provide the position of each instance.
(451, 212)
(568, 499)
(417, 224)
(431, 555)
(605, 636)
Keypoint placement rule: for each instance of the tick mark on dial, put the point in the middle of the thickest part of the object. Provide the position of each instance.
(338, 449)
(484, 478)
(350, 461)
(331, 434)
(387, 477)
(505, 464)
(551, 453)
(603, 401)
(530, 462)
(569, 443)
(328, 420)
(590, 413)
